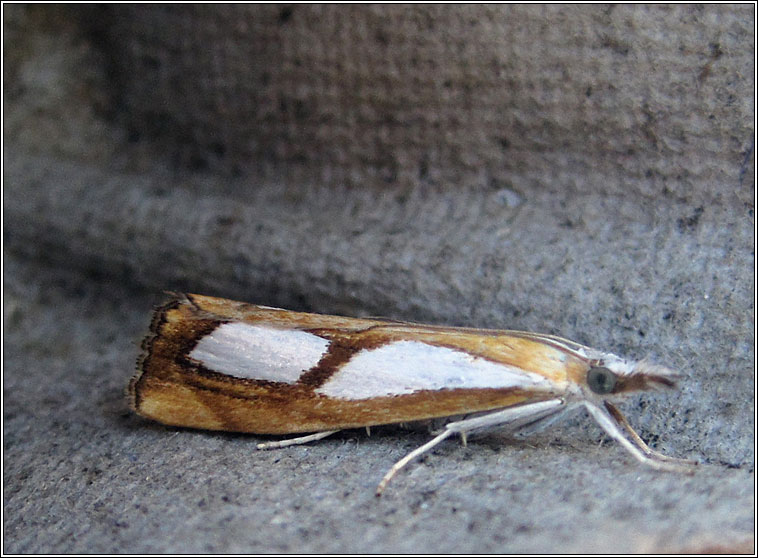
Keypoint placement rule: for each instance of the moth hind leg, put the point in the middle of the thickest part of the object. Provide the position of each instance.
(295, 441)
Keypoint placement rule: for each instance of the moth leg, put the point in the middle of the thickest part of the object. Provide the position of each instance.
(516, 416)
(541, 423)
(621, 419)
(295, 441)
(529, 411)
(415, 453)
(613, 428)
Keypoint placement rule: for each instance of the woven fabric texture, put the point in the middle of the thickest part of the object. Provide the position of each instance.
(586, 171)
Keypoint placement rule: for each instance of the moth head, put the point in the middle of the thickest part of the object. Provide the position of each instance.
(614, 376)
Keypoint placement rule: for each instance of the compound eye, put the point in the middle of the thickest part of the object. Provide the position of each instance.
(601, 380)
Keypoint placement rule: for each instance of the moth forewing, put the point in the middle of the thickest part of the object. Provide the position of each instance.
(218, 364)
(232, 366)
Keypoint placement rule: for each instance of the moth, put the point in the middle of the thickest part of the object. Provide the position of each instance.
(218, 364)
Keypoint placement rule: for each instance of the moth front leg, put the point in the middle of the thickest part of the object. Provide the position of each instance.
(650, 452)
(636, 446)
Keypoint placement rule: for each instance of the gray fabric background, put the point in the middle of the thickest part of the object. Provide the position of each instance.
(586, 171)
